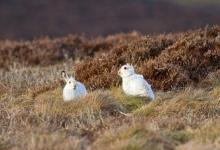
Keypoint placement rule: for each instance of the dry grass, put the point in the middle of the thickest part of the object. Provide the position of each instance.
(34, 116)
(176, 120)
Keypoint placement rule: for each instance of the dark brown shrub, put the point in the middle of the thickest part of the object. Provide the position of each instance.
(168, 61)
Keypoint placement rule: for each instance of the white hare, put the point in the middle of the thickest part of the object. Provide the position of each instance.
(73, 89)
(134, 84)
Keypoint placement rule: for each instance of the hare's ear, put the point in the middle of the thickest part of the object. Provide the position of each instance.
(64, 75)
(131, 66)
(128, 64)
(74, 74)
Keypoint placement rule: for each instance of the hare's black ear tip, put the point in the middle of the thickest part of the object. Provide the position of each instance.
(63, 72)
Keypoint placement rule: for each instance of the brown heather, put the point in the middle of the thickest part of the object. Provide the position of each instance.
(184, 69)
(46, 51)
(167, 61)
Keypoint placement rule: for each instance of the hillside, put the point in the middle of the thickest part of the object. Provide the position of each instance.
(169, 61)
(183, 68)
(197, 2)
(28, 19)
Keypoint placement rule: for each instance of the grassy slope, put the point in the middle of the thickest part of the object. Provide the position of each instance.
(33, 115)
(43, 121)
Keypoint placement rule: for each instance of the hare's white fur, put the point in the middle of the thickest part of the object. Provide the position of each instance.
(134, 84)
(73, 89)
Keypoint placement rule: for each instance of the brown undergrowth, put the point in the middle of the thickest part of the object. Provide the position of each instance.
(34, 116)
(167, 61)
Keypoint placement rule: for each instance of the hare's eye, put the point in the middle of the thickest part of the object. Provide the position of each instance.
(69, 82)
(125, 68)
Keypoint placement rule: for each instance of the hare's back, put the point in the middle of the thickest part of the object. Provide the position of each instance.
(81, 88)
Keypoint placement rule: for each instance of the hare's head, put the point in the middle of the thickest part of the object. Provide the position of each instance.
(126, 70)
(70, 80)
